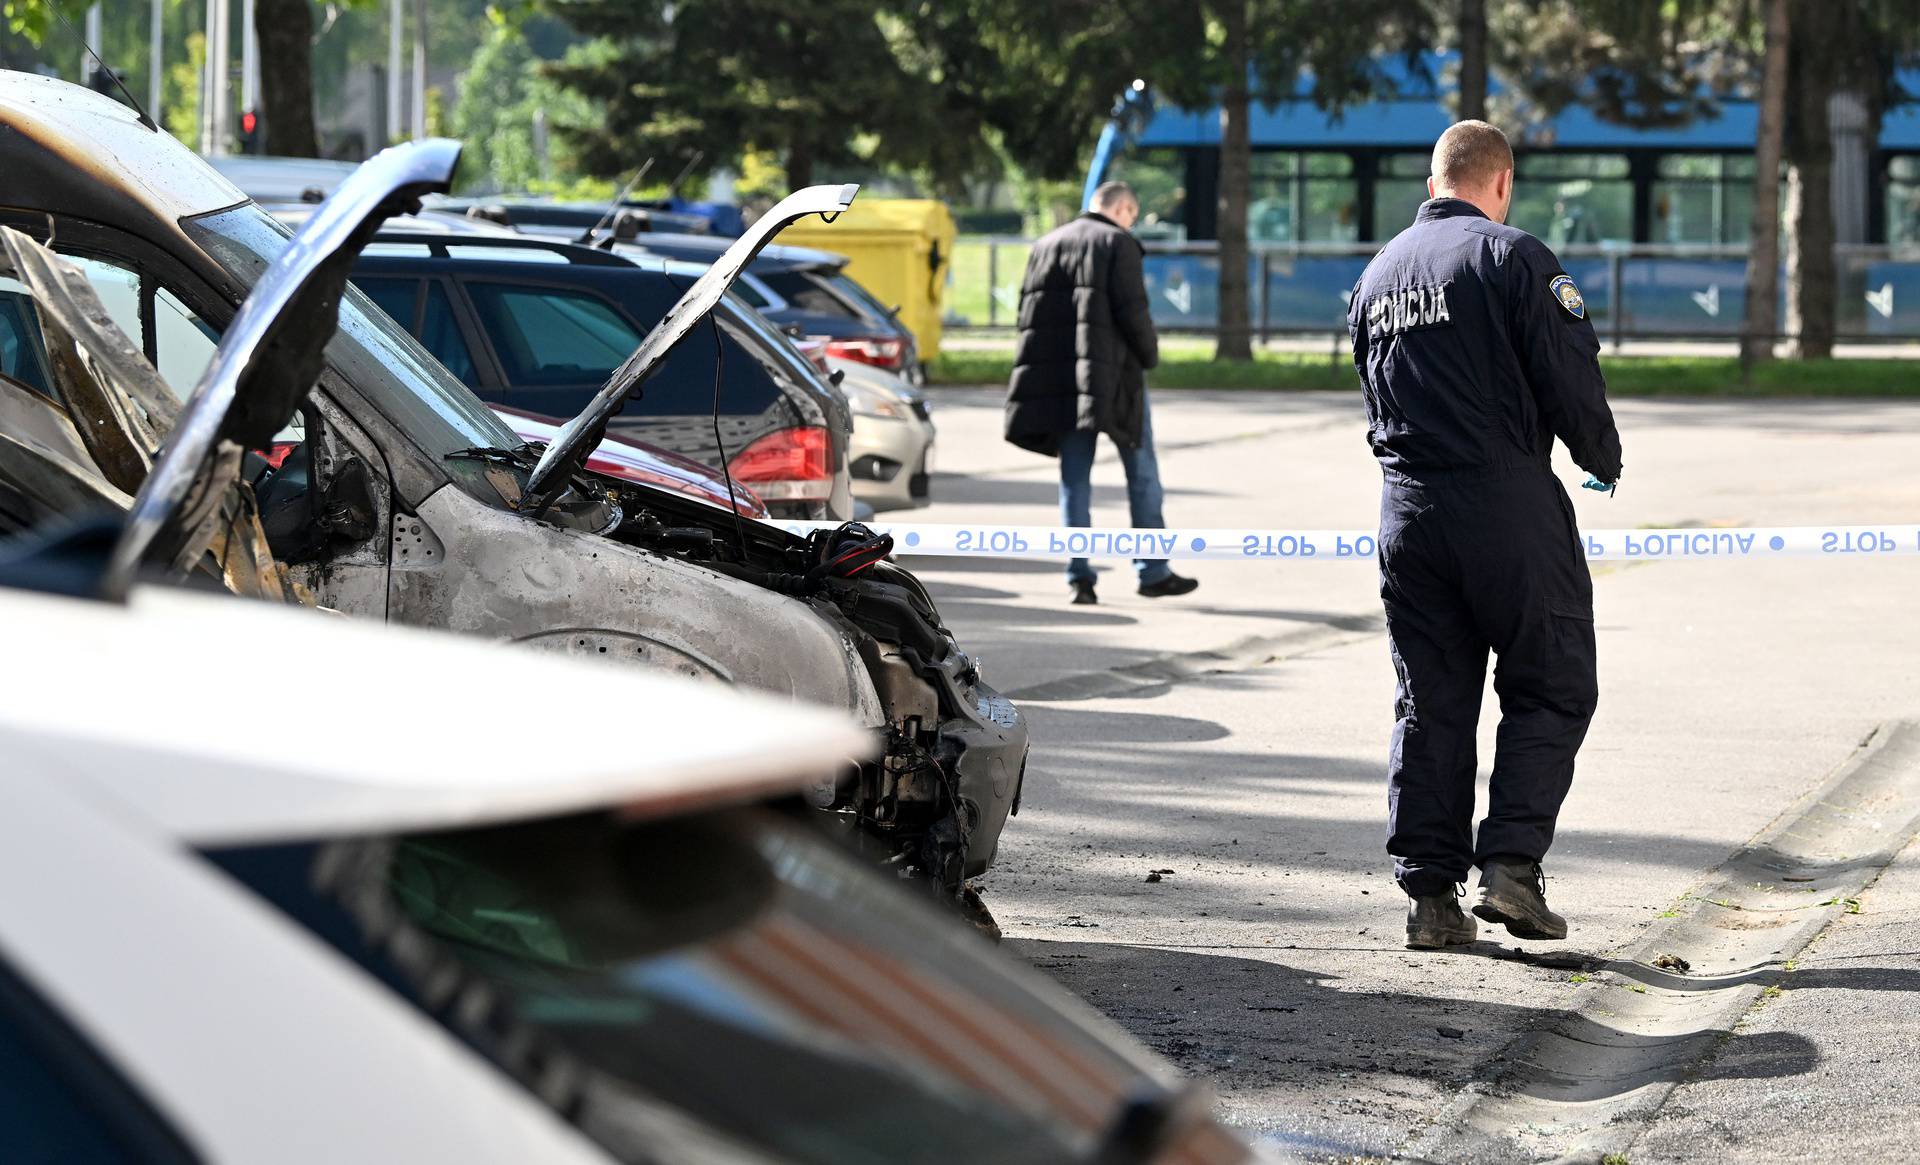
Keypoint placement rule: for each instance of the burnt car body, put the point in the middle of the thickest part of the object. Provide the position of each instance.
(410, 501)
(538, 326)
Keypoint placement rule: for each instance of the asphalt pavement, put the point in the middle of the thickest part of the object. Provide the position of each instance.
(1200, 849)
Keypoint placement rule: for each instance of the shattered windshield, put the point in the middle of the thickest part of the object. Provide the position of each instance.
(733, 968)
(374, 354)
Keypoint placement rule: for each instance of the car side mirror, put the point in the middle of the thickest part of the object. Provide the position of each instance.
(836, 376)
(348, 509)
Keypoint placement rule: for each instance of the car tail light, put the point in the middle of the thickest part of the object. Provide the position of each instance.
(816, 353)
(792, 465)
(277, 453)
(881, 352)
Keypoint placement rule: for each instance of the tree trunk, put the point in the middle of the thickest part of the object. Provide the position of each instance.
(1811, 278)
(285, 29)
(1473, 59)
(1763, 256)
(799, 164)
(1236, 165)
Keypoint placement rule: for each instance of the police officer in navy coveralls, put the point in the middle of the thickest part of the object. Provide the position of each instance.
(1475, 352)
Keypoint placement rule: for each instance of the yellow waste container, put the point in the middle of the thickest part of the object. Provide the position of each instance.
(899, 249)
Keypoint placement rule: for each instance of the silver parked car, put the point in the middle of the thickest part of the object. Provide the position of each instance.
(891, 455)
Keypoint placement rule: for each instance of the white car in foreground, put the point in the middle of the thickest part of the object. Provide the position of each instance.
(274, 893)
(143, 981)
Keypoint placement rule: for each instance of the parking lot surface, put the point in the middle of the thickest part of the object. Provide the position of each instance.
(1200, 850)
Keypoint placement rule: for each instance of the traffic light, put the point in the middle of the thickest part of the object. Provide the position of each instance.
(251, 140)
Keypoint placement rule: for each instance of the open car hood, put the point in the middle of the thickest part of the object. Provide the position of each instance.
(266, 363)
(579, 436)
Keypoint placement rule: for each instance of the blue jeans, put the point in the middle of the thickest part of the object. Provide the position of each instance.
(1144, 493)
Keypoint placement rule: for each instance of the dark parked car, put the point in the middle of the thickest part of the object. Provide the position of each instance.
(799, 288)
(809, 291)
(538, 326)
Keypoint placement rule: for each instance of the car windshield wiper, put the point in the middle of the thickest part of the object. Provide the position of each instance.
(523, 456)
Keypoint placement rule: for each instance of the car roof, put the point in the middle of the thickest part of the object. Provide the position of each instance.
(500, 246)
(704, 249)
(169, 705)
(426, 223)
(78, 152)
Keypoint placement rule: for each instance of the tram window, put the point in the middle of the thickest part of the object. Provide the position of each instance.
(1703, 198)
(1573, 199)
(1303, 197)
(1903, 200)
(1399, 191)
(1159, 180)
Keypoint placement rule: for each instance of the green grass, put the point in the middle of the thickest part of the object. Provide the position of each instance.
(974, 280)
(1190, 365)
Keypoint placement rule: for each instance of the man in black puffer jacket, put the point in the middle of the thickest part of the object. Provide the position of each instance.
(1080, 369)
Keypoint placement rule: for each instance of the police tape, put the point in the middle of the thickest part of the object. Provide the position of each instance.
(1242, 545)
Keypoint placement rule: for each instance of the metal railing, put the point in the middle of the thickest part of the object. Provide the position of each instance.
(1633, 292)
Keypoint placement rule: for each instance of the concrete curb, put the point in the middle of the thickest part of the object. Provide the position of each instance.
(1585, 1086)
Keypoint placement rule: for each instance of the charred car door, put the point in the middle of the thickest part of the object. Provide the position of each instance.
(323, 490)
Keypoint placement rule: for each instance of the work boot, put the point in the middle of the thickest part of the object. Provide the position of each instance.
(1083, 595)
(1437, 921)
(1514, 892)
(1173, 584)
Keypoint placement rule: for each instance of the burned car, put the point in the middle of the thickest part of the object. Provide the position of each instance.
(401, 497)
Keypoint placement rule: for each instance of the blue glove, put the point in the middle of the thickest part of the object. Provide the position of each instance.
(1593, 482)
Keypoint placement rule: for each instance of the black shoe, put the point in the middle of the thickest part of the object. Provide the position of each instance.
(1437, 921)
(1515, 893)
(1083, 595)
(1169, 586)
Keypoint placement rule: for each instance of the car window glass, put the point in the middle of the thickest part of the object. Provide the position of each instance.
(378, 358)
(440, 334)
(21, 349)
(803, 293)
(118, 289)
(748, 289)
(683, 386)
(684, 964)
(183, 343)
(396, 297)
(547, 336)
(851, 290)
(62, 1101)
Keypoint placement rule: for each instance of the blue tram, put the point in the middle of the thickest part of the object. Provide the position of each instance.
(1653, 223)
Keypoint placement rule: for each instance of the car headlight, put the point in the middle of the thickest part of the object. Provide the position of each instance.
(871, 402)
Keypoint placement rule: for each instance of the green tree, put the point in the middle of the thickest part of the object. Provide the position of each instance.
(817, 80)
(1669, 62)
(1008, 59)
(502, 96)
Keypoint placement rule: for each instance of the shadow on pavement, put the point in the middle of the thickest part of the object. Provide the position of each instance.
(1265, 1033)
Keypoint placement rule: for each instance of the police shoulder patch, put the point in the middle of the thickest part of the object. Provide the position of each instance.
(1564, 290)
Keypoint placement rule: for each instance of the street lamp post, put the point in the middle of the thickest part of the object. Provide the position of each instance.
(419, 69)
(156, 63)
(396, 35)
